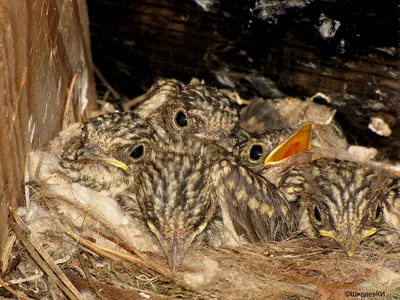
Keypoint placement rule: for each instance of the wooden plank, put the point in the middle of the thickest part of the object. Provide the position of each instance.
(43, 44)
(357, 65)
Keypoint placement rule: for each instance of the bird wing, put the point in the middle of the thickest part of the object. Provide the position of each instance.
(250, 204)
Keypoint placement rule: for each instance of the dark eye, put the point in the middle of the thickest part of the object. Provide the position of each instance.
(210, 204)
(256, 152)
(378, 211)
(137, 152)
(317, 214)
(181, 119)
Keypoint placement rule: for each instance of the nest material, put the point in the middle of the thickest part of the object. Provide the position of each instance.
(60, 247)
(302, 268)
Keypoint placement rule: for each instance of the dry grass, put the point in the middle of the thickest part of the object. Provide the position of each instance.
(300, 268)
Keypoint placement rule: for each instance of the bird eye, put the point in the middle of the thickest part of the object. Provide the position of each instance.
(151, 226)
(137, 152)
(317, 214)
(255, 152)
(181, 119)
(201, 228)
(378, 211)
(210, 204)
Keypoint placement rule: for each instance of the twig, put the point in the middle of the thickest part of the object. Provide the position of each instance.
(115, 94)
(127, 244)
(133, 102)
(42, 258)
(7, 251)
(13, 264)
(110, 253)
(69, 99)
(15, 293)
(30, 278)
(91, 246)
(105, 96)
(141, 262)
(94, 286)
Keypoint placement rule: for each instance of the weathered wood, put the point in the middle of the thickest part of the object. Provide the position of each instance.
(43, 44)
(293, 43)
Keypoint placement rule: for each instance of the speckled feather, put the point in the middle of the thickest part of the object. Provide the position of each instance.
(268, 141)
(174, 187)
(112, 135)
(157, 95)
(184, 177)
(258, 209)
(177, 180)
(192, 174)
(391, 206)
(342, 199)
(210, 113)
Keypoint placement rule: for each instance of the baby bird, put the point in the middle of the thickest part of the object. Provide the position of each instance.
(176, 184)
(157, 95)
(198, 109)
(191, 185)
(274, 152)
(152, 177)
(108, 145)
(391, 211)
(343, 200)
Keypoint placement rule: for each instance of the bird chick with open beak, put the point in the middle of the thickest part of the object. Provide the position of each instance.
(275, 152)
(342, 200)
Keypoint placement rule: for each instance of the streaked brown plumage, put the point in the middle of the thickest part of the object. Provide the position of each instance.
(274, 152)
(391, 211)
(179, 184)
(342, 200)
(93, 158)
(161, 186)
(173, 195)
(157, 95)
(257, 208)
(198, 109)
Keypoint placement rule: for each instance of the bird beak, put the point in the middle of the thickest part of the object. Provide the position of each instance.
(175, 249)
(349, 244)
(349, 241)
(299, 142)
(100, 158)
(114, 162)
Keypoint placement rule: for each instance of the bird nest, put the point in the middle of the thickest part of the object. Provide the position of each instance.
(64, 259)
(59, 246)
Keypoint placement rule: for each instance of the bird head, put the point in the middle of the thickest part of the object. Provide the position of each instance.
(391, 206)
(107, 147)
(276, 151)
(341, 200)
(157, 95)
(200, 110)
(178, 201)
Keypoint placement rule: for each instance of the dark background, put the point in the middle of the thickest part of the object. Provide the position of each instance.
(260, 48)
